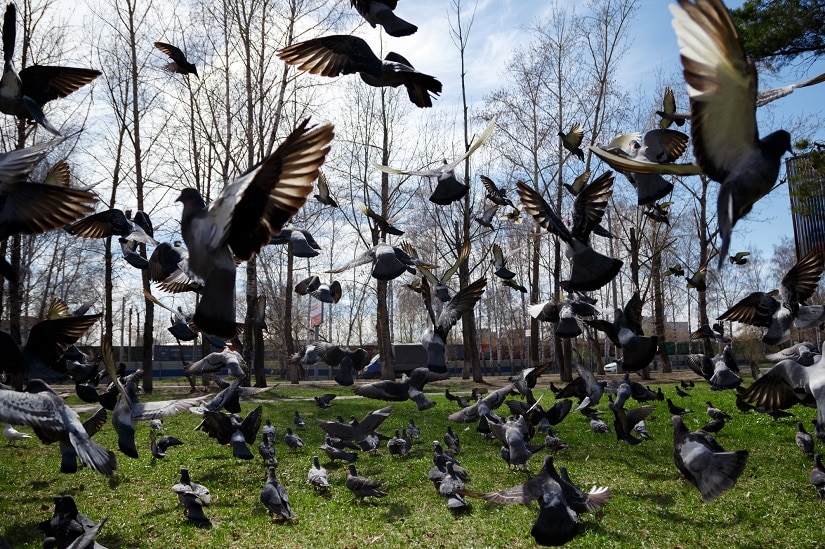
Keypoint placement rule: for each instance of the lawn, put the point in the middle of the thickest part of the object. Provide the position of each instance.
(652, 505)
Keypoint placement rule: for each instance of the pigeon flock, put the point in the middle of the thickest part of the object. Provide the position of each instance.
(254, 210)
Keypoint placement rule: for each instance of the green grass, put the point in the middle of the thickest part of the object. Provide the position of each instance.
(652, 505)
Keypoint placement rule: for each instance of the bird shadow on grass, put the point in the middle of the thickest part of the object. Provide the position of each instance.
(161, 511)
(395, 512)
(670, 516)
(24, 534)
(595, 528)
(665, 500)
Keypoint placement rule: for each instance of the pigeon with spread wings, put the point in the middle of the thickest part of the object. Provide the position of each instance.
(626, 333)
(722, 87)
(244, 216)
(339, 54)
(23, 94)
(449, 189)
(442, 291)
(434, 339)
(177, 59)
(763, 310)
(590, 270)
(572, 141)
(389, 262)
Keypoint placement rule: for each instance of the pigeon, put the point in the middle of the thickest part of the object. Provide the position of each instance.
(23, 94)
(230, 429)
(716, 370)
(193, 498)
(413, 430)
(641, 430)
(578, 183)
(706, 332)
(495, 194)
(485, 404)
(739, 258)
(804, 353)
(560, 503)
(657, 147)
(318, 477)
(41, 408)
(368, 424)
(86, 540)
(323, 292)
(626, 332)
(714, 425)
(298, 421)
(500, 264)
(448, 189)
(275, 499)
(789, 383)
(593, 389)
(13, 434)
(68, 525)
(324, 196)
(227, 359)
(408, 389)
(590, 270)
(564, 315)
(362, 487)
(346, 360)
(704, 462)
(716, 413)
(115, 222)
(389, 262)
(676, 410)
(572, 140)
(323, 401)
(129, 410)
(513, 435)
(486, 219)
(292, 440)
(798, 285)
(338, 54)
(598, 426)
(434, 339)
(817, 477)
(266, 449)
(668, 113)
(382, 12)
(449, 488)
(177, 59)
(439, 284)
(722, 86)
(244, 216)
(384, 224)
(396, 445)
(452, 441)
(658, 211)
(301, 242)
(334, 453)
(804, 439)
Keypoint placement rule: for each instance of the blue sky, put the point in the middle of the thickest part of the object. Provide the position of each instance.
(498, 29)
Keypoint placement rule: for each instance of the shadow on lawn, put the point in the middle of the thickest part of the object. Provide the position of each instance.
(23, 534)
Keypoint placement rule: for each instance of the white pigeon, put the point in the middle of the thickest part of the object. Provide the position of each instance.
(13, 434)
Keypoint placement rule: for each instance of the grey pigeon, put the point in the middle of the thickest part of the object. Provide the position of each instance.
(804, 439)
(23, 94)
(338, 54)
(42, 408)
(496, 195)
(413, 430)
(560, 503)
(399, 391)
(514, 434)
(439, 284)
(362, 487)
(589, 269)
(448, 188)
(449, 488)
(722, 86)
(668, 113)
(434, 339)
(789, 383)
(334, 453)
(322, 291)
(382, 12)
(228, 359)
(318, 477)
(323, 401)
(230, 429)
(716, 413)
(368, 424)
(564, 315)
(243, 217)
(301, 241)
(817, 477)
(324, 196)
(275, 499)
(763, 310)
(704, 462)
(193, 497)
(68, 524)
(572, 140)
(389, 262)
(292, 440)
(626, 332)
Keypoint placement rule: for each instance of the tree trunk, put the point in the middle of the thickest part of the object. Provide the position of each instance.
(659, 310)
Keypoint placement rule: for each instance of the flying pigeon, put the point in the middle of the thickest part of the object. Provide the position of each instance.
(668, 112)
(564, 315)
(177, 59)
(590, 270)
(398, 391)
(439, 284)
(302, 243)
(626, 332)
(244, 216)
(572, 141)
(704, 462)
(578, 183)
(230, 429)
(389, 262)
(322, 291)
(23, 94)
(338, 54)
(722, 86)
(763, 310)
(719, 370)
(434, 339)
(448, 189)
(382, 12)
(495, 194)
